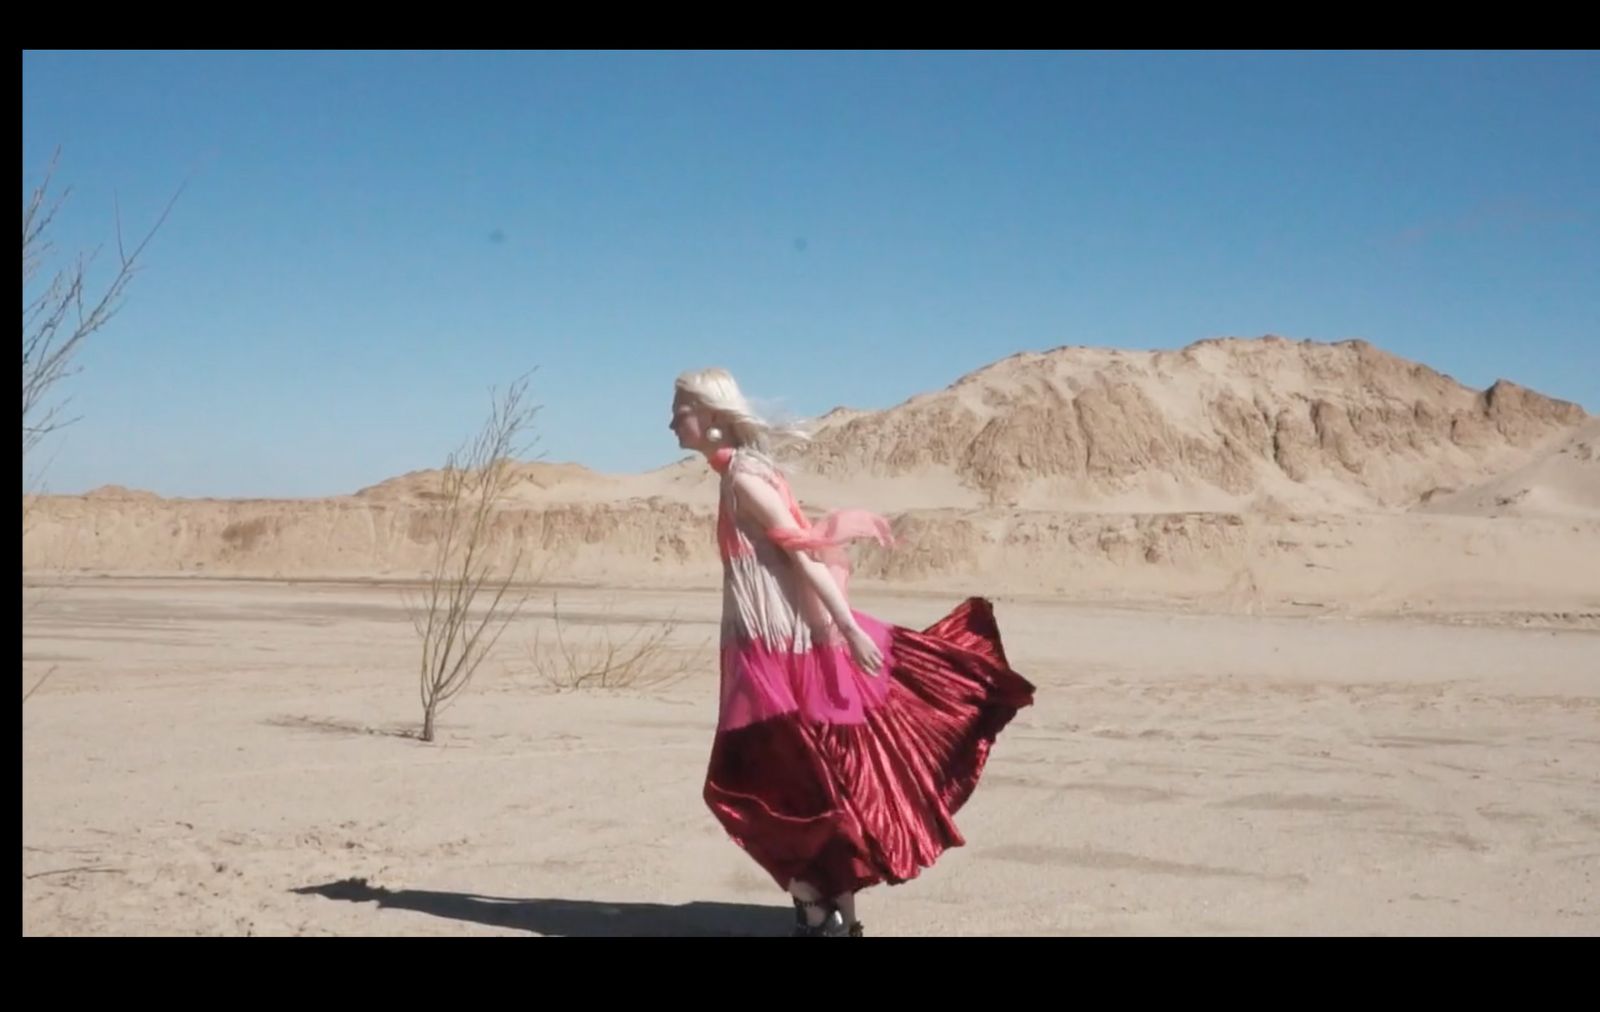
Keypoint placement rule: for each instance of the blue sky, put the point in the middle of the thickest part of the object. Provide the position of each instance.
(368, 241)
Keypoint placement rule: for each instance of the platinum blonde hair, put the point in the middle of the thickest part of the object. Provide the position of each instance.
(716, 390)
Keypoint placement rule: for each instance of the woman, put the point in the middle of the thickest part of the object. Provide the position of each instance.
(844, 745)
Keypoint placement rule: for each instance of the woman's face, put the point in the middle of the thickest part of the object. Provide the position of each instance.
(689, 422)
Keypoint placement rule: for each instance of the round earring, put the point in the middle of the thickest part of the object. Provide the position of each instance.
(714, 434)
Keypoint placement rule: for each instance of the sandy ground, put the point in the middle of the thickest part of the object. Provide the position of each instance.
(230, 758)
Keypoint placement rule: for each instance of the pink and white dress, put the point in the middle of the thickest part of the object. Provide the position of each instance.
(821, 772)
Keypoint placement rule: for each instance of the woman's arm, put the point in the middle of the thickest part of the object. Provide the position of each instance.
(760, 503)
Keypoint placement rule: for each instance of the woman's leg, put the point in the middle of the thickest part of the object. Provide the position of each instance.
(810, 901)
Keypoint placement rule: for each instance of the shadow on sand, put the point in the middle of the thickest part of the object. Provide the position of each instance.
(581, 918)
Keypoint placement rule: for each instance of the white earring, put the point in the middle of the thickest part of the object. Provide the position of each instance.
(714, 434)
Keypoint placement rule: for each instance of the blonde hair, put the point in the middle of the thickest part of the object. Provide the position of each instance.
(717, 390)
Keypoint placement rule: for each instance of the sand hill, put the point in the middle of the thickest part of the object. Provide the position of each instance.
(1221, 424)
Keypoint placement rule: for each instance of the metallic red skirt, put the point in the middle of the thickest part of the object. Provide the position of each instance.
(843, 807)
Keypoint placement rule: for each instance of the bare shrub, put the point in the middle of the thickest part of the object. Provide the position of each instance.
(569, 660)
(468, 596)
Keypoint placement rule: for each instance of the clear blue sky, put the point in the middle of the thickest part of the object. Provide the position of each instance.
(368, 241)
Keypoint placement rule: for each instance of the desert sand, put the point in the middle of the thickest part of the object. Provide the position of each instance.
(1316, 632)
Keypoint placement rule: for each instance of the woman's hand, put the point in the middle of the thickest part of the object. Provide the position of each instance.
(863, 651)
